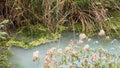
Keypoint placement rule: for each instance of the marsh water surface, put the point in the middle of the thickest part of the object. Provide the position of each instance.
(22, 58)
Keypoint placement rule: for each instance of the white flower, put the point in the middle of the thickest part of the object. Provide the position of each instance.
(74, 52)
(98, 3)
(80, 41)
(94, 58)
(37, 52)
(35, 56)
(71, 43)
(48, 58)
(101, 33)
(86, 47)
(59, 51)
(67, 49)
(52, 50)
(82, 36)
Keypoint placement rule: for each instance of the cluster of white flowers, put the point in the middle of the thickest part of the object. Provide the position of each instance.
(71, 43)
(48, 58)
(35, 56)
(73, 53)
(69, 50)
(81, 37)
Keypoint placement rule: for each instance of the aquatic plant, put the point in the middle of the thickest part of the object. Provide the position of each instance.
(72, 58)
(83, 56)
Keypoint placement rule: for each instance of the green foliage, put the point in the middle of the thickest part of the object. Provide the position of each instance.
(4, 49)
(61, 28)
(54, 14)
(4, 21)
(34, 31)
(78, 26)
(2, 33)
(115, 23)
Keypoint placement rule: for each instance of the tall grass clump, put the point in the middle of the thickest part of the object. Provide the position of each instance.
(54, 16)
(91, 15)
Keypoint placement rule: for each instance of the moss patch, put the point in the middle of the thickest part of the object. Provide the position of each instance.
(35, 42)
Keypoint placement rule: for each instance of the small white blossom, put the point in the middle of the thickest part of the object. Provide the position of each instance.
(98, 3)
(35, 56)
(101, 33)
(59, 51)
(94, 58)
(67, 49)
(86, 47)
(80, 41)
(82, 36)
(71, 43)
(74, 52)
